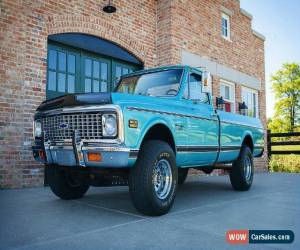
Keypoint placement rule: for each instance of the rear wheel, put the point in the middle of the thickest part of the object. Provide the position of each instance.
(153, 179)
(241, 174)
(65, 183)
(182, 174)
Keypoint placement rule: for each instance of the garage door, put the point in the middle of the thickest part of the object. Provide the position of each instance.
(75, 70)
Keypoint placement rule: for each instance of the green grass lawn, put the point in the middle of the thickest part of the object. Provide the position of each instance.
(285, 163)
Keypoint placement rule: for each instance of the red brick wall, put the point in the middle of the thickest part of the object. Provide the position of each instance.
(154, 30)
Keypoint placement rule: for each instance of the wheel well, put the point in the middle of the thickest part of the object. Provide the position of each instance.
(248, 142)
(160, 132)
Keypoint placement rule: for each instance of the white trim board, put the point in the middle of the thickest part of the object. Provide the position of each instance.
(220, 70)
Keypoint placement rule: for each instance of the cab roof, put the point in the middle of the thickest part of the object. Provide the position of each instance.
(162, 68)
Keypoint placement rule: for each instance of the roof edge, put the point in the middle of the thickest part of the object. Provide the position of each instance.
(259, 35)
(246, 13)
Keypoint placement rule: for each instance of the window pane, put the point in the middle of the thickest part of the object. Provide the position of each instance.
(61, 82)
(195, 88)
(52, 59)
(125, 71)
(96, 87)
(103, 71)
(62, 61)
(96, 69)
(88, 67)
(71, 63)
(87, 86)
(52, 80)
(71, 84)
(227, 92)
(118, 73)
(103, 86)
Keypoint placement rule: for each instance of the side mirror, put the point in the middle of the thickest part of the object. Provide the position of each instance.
(220, 103)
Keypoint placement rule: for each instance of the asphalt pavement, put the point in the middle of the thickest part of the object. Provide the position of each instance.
(204, 209)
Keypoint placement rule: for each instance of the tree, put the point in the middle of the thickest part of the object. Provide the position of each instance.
(286, 85)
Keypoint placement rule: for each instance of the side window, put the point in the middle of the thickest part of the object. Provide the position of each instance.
(225, 26)
(195, 90)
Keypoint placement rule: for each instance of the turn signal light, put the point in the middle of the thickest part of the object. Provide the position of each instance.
(94, 157)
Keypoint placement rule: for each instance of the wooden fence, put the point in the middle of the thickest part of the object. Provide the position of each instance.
(282, 143)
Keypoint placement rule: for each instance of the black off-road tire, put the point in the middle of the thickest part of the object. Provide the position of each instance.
(142, 178)
(64, 184)
(240, 177)
(182, 174)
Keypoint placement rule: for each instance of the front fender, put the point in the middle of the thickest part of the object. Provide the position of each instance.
(146, 120)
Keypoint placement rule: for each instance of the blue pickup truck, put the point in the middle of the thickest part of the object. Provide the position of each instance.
(155, 126)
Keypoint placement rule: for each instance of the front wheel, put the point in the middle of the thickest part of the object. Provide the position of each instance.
(65, 183)
(241, 174)
(153, 179)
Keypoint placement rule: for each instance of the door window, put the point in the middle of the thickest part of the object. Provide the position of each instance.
(195, 87)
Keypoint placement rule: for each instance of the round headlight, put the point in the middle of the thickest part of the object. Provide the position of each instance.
(109, 123)
(37, 129)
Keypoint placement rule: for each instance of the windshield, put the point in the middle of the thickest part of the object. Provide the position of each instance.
(162, 83)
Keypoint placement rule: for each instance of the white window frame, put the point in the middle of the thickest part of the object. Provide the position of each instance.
(227, 18)
(252, 91)
(231, 86)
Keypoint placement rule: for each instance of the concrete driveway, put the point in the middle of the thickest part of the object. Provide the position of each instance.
(205, 208)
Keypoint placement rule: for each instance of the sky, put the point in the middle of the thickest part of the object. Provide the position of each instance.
(279, 22)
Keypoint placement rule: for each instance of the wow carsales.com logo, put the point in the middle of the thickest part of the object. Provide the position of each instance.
(259, 236)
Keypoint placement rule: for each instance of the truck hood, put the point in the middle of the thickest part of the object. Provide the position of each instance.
(73, 100)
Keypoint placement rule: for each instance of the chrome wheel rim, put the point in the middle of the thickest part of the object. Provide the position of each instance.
(248, 168)
(162, 179)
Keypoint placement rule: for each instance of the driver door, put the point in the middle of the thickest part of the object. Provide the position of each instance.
(202, 125)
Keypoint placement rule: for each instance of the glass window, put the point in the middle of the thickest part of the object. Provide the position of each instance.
(71, 84)
(227, 91)
(61, 61)
(125, 71)
(71, 64)
(162, 83)
(96, 69)
(52, 59)
(225, 26)
(104, 71)
(51, 80)
(87, 85)
(118, 73)
(195, 87)
(103, 86)
(96, 87)
(88, 67)
(250, 97)
(61, 82)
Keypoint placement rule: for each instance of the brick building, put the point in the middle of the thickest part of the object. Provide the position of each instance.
(48, 48)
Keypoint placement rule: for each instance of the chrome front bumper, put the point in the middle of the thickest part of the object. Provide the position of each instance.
(112, 156)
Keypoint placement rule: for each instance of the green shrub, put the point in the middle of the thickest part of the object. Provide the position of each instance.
(285, 163)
